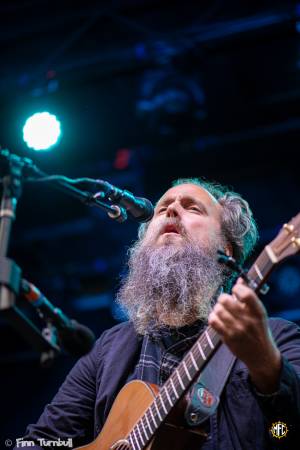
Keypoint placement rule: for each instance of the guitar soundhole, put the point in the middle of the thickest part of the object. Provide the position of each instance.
(122, 444)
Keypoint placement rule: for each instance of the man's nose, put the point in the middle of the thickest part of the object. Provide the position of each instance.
(173, 210)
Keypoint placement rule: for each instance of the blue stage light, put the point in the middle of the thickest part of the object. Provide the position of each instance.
(42, 131)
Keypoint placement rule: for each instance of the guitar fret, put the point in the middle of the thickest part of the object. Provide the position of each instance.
(157, 409)
(193, 361)
(148, 423)
(258, 272)
(180, 380)
(186, 370)
(132, 441)
(263, 265)
(174, 389)
(201, 351)
(168, 397)
(144, 429)
(152, 416)
(138, 428)
(162, 402)
(271, 254)
(209, 340)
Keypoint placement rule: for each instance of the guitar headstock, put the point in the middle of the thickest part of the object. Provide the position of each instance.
(287, 242)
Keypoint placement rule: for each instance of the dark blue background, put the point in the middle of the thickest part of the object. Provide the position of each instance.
(147, 91)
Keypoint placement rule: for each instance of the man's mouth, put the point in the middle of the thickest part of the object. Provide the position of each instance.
(171, 229)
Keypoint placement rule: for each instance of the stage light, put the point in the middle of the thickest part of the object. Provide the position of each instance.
(42, 131)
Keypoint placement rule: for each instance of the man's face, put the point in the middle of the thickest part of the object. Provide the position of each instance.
(185, 213)
(174, 275)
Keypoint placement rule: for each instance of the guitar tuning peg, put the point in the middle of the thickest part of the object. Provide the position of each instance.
(229, 261)
(288, 227)
(296, 241)
(232, 264)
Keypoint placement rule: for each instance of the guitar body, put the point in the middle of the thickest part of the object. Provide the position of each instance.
(130, 404)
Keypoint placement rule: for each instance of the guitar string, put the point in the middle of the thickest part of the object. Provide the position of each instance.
(144, 426)
(122, 447)
(137, 426)
(134, 436)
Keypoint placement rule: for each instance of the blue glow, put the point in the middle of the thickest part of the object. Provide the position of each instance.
(140, 51)
(289, 281)
(290, 314)
(93, 302)
(41, 131)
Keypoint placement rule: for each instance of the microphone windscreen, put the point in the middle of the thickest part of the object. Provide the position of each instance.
(77, 340)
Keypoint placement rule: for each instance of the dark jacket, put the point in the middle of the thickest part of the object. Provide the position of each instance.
(243, 419)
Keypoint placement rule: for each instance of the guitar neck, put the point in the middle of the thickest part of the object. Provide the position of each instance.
(192, 364)
(261, 269)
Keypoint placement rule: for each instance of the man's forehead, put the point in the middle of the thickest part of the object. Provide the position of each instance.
(190, 190)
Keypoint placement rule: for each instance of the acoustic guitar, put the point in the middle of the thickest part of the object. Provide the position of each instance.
(145, 416)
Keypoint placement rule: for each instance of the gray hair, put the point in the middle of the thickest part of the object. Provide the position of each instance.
(238, 224)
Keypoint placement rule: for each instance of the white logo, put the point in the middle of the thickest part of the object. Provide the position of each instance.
(279, 429)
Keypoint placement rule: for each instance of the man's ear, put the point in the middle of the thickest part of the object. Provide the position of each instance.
(228, 249)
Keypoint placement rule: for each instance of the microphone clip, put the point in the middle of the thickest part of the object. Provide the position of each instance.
(233, 265)
(119, 213)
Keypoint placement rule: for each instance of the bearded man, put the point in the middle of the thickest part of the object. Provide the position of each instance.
(175, 286)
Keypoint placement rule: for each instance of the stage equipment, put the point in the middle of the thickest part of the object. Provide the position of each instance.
(60, 331)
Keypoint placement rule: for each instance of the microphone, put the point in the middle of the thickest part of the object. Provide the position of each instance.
(75, 338)
(141, 209)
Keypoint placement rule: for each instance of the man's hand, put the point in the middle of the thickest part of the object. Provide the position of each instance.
(242, 322)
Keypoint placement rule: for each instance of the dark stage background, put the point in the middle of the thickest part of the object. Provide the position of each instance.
(146, 91)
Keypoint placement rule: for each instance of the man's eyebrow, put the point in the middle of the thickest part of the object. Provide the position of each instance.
(184, 199)
(191, 200)
(163, 202)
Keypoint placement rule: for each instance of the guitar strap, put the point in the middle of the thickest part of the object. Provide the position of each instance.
(204, 397)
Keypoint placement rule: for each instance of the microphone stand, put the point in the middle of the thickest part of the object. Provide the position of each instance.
(45, 341)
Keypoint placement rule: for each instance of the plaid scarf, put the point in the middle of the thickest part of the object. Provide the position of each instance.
(162, 351)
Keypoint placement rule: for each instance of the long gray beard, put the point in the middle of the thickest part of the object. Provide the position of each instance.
(169, 285)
